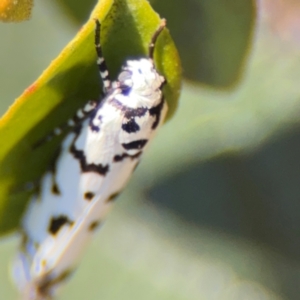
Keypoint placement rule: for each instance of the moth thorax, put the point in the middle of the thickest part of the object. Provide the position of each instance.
(141, 77)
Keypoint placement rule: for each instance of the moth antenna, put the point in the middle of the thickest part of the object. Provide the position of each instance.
(80, 115)
(103, 71)
(162, 25)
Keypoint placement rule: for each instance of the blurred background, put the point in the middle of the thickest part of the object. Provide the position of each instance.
(213, 211)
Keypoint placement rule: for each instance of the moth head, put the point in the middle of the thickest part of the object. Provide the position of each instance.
(140, 76)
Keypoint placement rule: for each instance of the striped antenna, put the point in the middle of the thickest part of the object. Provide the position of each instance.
(81, 114)
(101, 61)
(162, 25)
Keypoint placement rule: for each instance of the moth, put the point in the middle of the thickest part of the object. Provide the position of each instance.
(96, 160)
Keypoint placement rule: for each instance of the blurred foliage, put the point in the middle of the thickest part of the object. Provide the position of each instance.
(213, 38)
(15, 10)
(213, 211)
(78, 10)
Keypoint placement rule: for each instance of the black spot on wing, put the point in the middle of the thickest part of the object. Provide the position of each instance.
(156, 112)
(118, 158)
(113, 197)
(131, 126)
(89, 196)
(55, 190)
(57, 222)
(129, 112)
(53, 166)
(86, 167)
(94, 225)
(135, 145)
(135, 112)
(49, 281)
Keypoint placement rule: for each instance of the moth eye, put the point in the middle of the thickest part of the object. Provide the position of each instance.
(124, 76)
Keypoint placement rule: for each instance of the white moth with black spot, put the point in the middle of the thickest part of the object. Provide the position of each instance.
(95, 162)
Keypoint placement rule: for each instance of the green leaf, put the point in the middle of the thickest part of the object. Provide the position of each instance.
(70, 81)
(213, 37)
